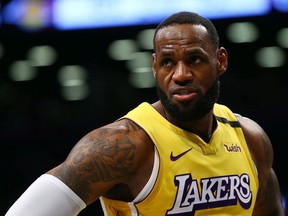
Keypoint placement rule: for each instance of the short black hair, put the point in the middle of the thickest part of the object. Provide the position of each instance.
(190, 18)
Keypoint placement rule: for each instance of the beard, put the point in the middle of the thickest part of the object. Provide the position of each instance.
(187, 112)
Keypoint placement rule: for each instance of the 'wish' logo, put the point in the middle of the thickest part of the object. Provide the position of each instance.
(214, 192)
(232, 148)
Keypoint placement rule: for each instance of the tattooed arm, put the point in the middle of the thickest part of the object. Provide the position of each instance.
(104, 162)
(106, 158)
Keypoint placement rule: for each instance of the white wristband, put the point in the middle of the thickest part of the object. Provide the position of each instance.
(45, 197)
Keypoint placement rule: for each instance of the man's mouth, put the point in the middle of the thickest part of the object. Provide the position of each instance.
(184, 94)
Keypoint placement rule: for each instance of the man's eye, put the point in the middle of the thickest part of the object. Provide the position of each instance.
(195, 60)
(167, 62)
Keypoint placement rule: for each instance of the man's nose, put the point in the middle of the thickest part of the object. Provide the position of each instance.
(182, 73)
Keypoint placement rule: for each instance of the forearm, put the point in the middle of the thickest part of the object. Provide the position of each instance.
(47, 196)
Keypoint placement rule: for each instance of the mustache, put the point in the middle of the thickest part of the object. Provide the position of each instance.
(203, 106)
(187, 89)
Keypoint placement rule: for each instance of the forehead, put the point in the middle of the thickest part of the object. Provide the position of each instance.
(181, 35)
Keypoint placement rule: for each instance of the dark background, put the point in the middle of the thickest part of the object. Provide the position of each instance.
(38, 127)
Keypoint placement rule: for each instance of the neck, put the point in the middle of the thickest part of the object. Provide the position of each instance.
(203, 127)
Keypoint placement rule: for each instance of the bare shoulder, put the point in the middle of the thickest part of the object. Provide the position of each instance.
(268, 200)
(103, 158)
(257, 140)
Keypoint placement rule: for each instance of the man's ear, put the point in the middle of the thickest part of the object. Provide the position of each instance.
(154, 64)
(222, 60)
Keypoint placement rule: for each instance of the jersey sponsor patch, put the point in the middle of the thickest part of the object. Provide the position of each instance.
(213, 192)
(231, 147)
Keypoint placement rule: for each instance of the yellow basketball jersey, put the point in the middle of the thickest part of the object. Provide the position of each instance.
(191, 177)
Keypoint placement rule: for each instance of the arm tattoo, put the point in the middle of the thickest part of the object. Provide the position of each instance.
(103, 157)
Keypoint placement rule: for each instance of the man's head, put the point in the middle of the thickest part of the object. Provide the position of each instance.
(186, 64)
(190, 18)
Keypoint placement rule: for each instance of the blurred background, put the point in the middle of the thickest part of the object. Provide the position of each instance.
(69, 66)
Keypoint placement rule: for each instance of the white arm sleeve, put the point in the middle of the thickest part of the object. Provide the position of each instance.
(45, 197)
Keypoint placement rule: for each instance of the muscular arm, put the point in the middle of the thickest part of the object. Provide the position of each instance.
(102, 159)
(104, 162)
(268, 200)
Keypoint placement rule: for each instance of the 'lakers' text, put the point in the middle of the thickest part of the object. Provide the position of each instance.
(210, 193)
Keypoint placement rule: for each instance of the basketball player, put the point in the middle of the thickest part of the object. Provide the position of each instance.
(183, 155)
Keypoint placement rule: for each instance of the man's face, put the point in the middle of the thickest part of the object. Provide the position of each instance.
(186, 67)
